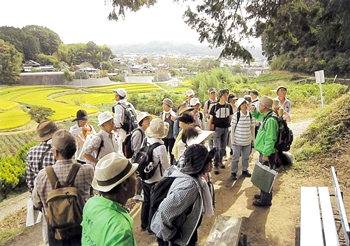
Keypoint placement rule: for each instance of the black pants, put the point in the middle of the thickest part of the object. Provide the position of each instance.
(265, 197)
(169, 144)
(146, 206)
(192, 242)
(75, 241)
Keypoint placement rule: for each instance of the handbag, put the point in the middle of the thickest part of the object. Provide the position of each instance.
(263, 177)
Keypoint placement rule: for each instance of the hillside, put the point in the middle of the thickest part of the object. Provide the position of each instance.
(158, 47)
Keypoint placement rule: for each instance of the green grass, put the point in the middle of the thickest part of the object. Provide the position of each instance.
(13, 119)
(269, 77)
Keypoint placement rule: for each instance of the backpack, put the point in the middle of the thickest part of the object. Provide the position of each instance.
(130, 121)
(144, 158)
(64, 205)
(127, 150)
(239, 115)
(284, 135)
(159, 191)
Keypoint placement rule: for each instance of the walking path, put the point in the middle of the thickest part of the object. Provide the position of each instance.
(12, 205)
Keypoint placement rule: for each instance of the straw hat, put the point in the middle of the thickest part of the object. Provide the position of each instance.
(183, 109)
(266, 102)
(202, 136)
(104, 117)
(46, 129)
(157, 129)
(111, 171)
(81, 115)
(141, 116)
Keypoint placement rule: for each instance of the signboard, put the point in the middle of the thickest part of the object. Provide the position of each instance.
(319, 76)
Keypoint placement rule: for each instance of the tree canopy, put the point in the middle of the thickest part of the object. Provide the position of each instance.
(10, 63)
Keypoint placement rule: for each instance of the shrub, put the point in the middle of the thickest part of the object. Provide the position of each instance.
(68, 75)
(39, 113)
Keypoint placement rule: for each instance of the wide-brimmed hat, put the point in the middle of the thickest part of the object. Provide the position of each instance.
(266, 102)
(63, 139)
(81, 115)
(240, 101)
(203, 135)
(196, 157)
(184, 108)
(275, 103)
(189, 93)
(141, 116)
(121, 92)
(194, 101)
(112, 170)
(46, 129)
(168, 102)
(280, 87)
(157, 129)
(104, 117)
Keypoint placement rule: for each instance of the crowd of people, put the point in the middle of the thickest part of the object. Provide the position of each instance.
(190, 143)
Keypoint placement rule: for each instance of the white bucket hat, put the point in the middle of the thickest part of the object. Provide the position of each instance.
(194, 101)
(141, 116)
(104, 117)
(189, 93)
(240, 101)
(111, 171)
(157, 129)
(202, 136)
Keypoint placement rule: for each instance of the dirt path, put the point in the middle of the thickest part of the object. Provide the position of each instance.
(276, 225)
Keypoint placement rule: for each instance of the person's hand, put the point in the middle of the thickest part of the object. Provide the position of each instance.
(265, 159)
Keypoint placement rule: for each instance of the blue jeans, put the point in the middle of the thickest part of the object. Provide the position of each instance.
(265, 197)
(239, 150)
(220, 143)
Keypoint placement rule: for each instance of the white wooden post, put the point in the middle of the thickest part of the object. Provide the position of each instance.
(319, 80)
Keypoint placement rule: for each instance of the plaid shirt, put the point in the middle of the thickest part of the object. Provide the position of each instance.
(82, 181)
(33, 159)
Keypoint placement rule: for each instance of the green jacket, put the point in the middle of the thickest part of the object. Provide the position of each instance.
(267, 135)
(106, 223)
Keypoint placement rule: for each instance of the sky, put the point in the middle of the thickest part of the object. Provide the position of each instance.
(81, 21)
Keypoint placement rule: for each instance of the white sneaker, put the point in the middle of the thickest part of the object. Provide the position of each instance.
(138, 198)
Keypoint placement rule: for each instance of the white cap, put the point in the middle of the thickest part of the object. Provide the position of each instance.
(194, 101)
(121, 92)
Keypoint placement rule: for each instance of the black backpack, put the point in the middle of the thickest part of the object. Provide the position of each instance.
(127, 150)
(159, 191)
(144, 158)
(284, 135)
(130, 118)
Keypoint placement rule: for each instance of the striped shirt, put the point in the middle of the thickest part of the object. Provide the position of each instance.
(82, 181)
(242, 133)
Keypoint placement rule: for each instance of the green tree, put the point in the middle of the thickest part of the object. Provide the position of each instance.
(10, 63)
(39, 113)
(48, 39)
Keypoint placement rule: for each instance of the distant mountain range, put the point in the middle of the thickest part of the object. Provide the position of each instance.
(159, 47)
